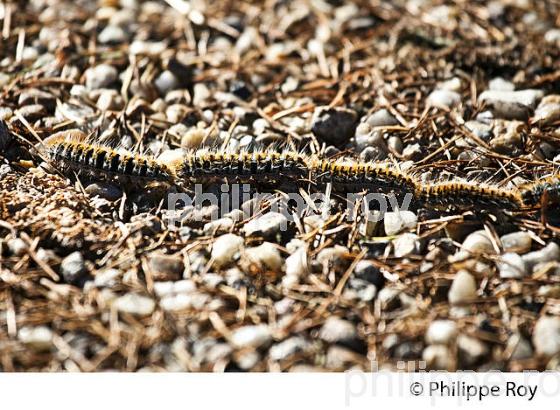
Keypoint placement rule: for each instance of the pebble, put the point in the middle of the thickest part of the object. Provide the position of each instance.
(549, 253)
(225, 249)
(406, 244)
(513, 105)
(395, 144)
(381, 118)
(471, 350)
(395, 222)
(193, 138)
(480, 129)
(520, 347)
(38, 338)
(266, 255)
(287, 348)
(442, 332)
(296, 267)
(546, 114)
(366, 270)
(337, 330)
(267, 225)
(174, 287)
(499, 84)
(246, 360)
(412, 152)
(149, 48)
(219, 226)
(109, 100)
(17, 246)
(511, 266)
(103, 190)
(106, 278)
(182, 301)
(73, 269)
(552, 36)
(478, 242)
(100, 76)
(201, 93)
(546, 336)
(135, 304)
(112, 35)
(166, 82)
(166, 267)
(438, 357)
(333, 258)
(463, 289)
(251, 336)
(334, 125)
(444, 99)
(518, 242)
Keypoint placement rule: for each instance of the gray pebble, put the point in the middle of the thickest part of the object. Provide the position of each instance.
(166, 82)
(546, 114)
(334, 125)
(444, 99)
(549, 253)
(412, 152)
(518, 242)
(395, 144)
(267, 225)
(73, 268)
(112, 35)
(100, 76)
(381, 118)
(511, 104)
(511, 266)
(520, 347)
(103, 190)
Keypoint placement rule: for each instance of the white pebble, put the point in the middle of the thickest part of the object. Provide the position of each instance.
(463, 289)
(251, 336)
(441, 332)
(225, 249)
(266, 255)
(511, 266)
(38, 338)
(546, 336)
(135, 304)
(395, 222)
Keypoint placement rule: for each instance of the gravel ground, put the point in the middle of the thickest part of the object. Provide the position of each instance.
(94, 277)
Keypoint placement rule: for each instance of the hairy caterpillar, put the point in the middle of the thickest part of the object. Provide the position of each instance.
(70, 150)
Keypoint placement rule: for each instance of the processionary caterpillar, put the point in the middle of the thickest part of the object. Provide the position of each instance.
(70, 150)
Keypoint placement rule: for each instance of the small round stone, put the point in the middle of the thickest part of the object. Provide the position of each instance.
(38, 338)
(337, 330)
(100, 76)
(444, 99)
(135, 304)
(225, 249)
(511, 266)
(267, 225)
(265, 255)
(463, 289)
(395, 222)
(546, 336)
(73, 269)
(251, 336)
(441, 332)
(518, 242)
